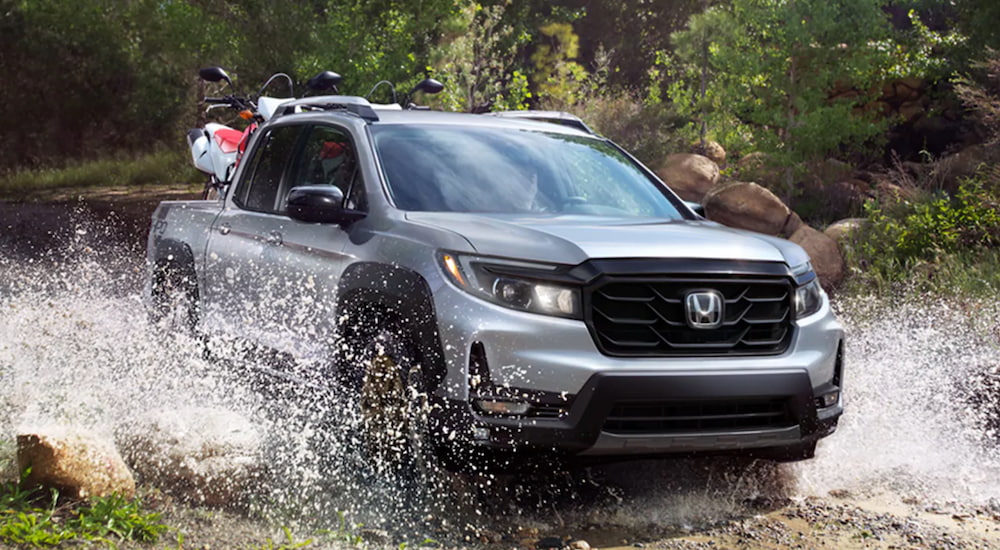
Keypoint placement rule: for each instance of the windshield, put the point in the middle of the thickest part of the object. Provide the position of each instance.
(511, 171)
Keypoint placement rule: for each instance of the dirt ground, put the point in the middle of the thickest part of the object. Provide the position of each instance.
(35, 226)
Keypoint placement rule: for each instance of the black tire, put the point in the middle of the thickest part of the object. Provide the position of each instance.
(174, 296)
(212, 190)
(393, 406)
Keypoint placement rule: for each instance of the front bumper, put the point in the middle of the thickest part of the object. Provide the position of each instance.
(584, 429)
(556, 362)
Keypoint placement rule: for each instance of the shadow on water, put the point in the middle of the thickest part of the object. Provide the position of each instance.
(76, 347)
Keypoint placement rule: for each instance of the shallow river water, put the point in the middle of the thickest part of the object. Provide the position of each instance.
(922, 385)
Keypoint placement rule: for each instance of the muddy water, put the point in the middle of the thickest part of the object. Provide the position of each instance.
(76, 347)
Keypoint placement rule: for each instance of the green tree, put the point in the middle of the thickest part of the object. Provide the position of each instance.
(775, 65)
(476, 60)
(556, 74)
(96, 77)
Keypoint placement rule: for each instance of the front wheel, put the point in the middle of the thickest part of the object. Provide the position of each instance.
(393, 405)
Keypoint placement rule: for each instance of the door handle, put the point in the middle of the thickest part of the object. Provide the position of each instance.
(274, 237)
(225, 228)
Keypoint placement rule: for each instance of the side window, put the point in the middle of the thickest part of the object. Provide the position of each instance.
(328, 158)
(262, 180)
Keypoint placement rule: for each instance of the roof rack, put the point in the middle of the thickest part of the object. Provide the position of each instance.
(352, 104)
(554, 117)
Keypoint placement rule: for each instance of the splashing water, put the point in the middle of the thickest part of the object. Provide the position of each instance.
(76, 347)
(922, 401)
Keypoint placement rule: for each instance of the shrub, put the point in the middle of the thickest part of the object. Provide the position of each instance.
(982, 95)
(648, 131)
(947, 243)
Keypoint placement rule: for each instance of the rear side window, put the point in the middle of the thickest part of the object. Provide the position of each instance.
(262, 180)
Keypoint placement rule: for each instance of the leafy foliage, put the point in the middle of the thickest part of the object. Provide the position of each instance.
(982, 94)
(556, 75)
(93, 76)
(954, 235)
(650, 132)
(475, 60)
(772, 65)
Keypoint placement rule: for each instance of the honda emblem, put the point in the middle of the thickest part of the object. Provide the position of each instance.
(704, 309)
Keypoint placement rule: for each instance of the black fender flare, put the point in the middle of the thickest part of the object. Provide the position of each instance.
(367, 289)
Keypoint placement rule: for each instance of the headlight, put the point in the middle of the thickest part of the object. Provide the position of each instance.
(517, 285)
(808, 299)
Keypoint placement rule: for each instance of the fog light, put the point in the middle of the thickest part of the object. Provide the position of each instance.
(829, 399)
(480, 433)
(495, 406)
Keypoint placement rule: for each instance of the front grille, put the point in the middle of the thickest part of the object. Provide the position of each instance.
(680, 417)
(647, 317)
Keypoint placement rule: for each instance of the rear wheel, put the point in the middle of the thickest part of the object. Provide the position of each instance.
(175, 298)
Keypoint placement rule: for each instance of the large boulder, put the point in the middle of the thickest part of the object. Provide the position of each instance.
(950, 170)
(690, 176)
(78, 463)
(712, 150)
(823, 253)
(202, 455)
(888, 192)
(747, 205)
(845, 229)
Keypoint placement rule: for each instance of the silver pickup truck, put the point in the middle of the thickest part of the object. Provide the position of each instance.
(500, 285)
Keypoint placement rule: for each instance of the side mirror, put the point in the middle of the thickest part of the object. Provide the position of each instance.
(695, 207)
(215, 74)
(326, 80)
(320, 204)
(428, 86)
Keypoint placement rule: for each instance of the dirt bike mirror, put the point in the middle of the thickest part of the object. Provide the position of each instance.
(215, 74)
(326, 80)
(428, 86)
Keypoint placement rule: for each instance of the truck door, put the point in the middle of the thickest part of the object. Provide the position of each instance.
(311, 254)
(243, 294)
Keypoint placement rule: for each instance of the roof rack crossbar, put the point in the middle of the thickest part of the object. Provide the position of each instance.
(356, 105)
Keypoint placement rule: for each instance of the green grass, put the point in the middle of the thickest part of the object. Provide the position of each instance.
(164, 167)
(971, 273)
(36, 518)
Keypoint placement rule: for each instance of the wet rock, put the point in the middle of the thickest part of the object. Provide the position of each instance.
(487, 535)
(202, 455)
(747, 206)
(688, 175)
(823, 253)
(579, 545)
(78, 463)
(375, 536)
(549, 543)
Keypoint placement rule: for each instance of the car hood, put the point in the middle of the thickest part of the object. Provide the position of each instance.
(575, 239)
